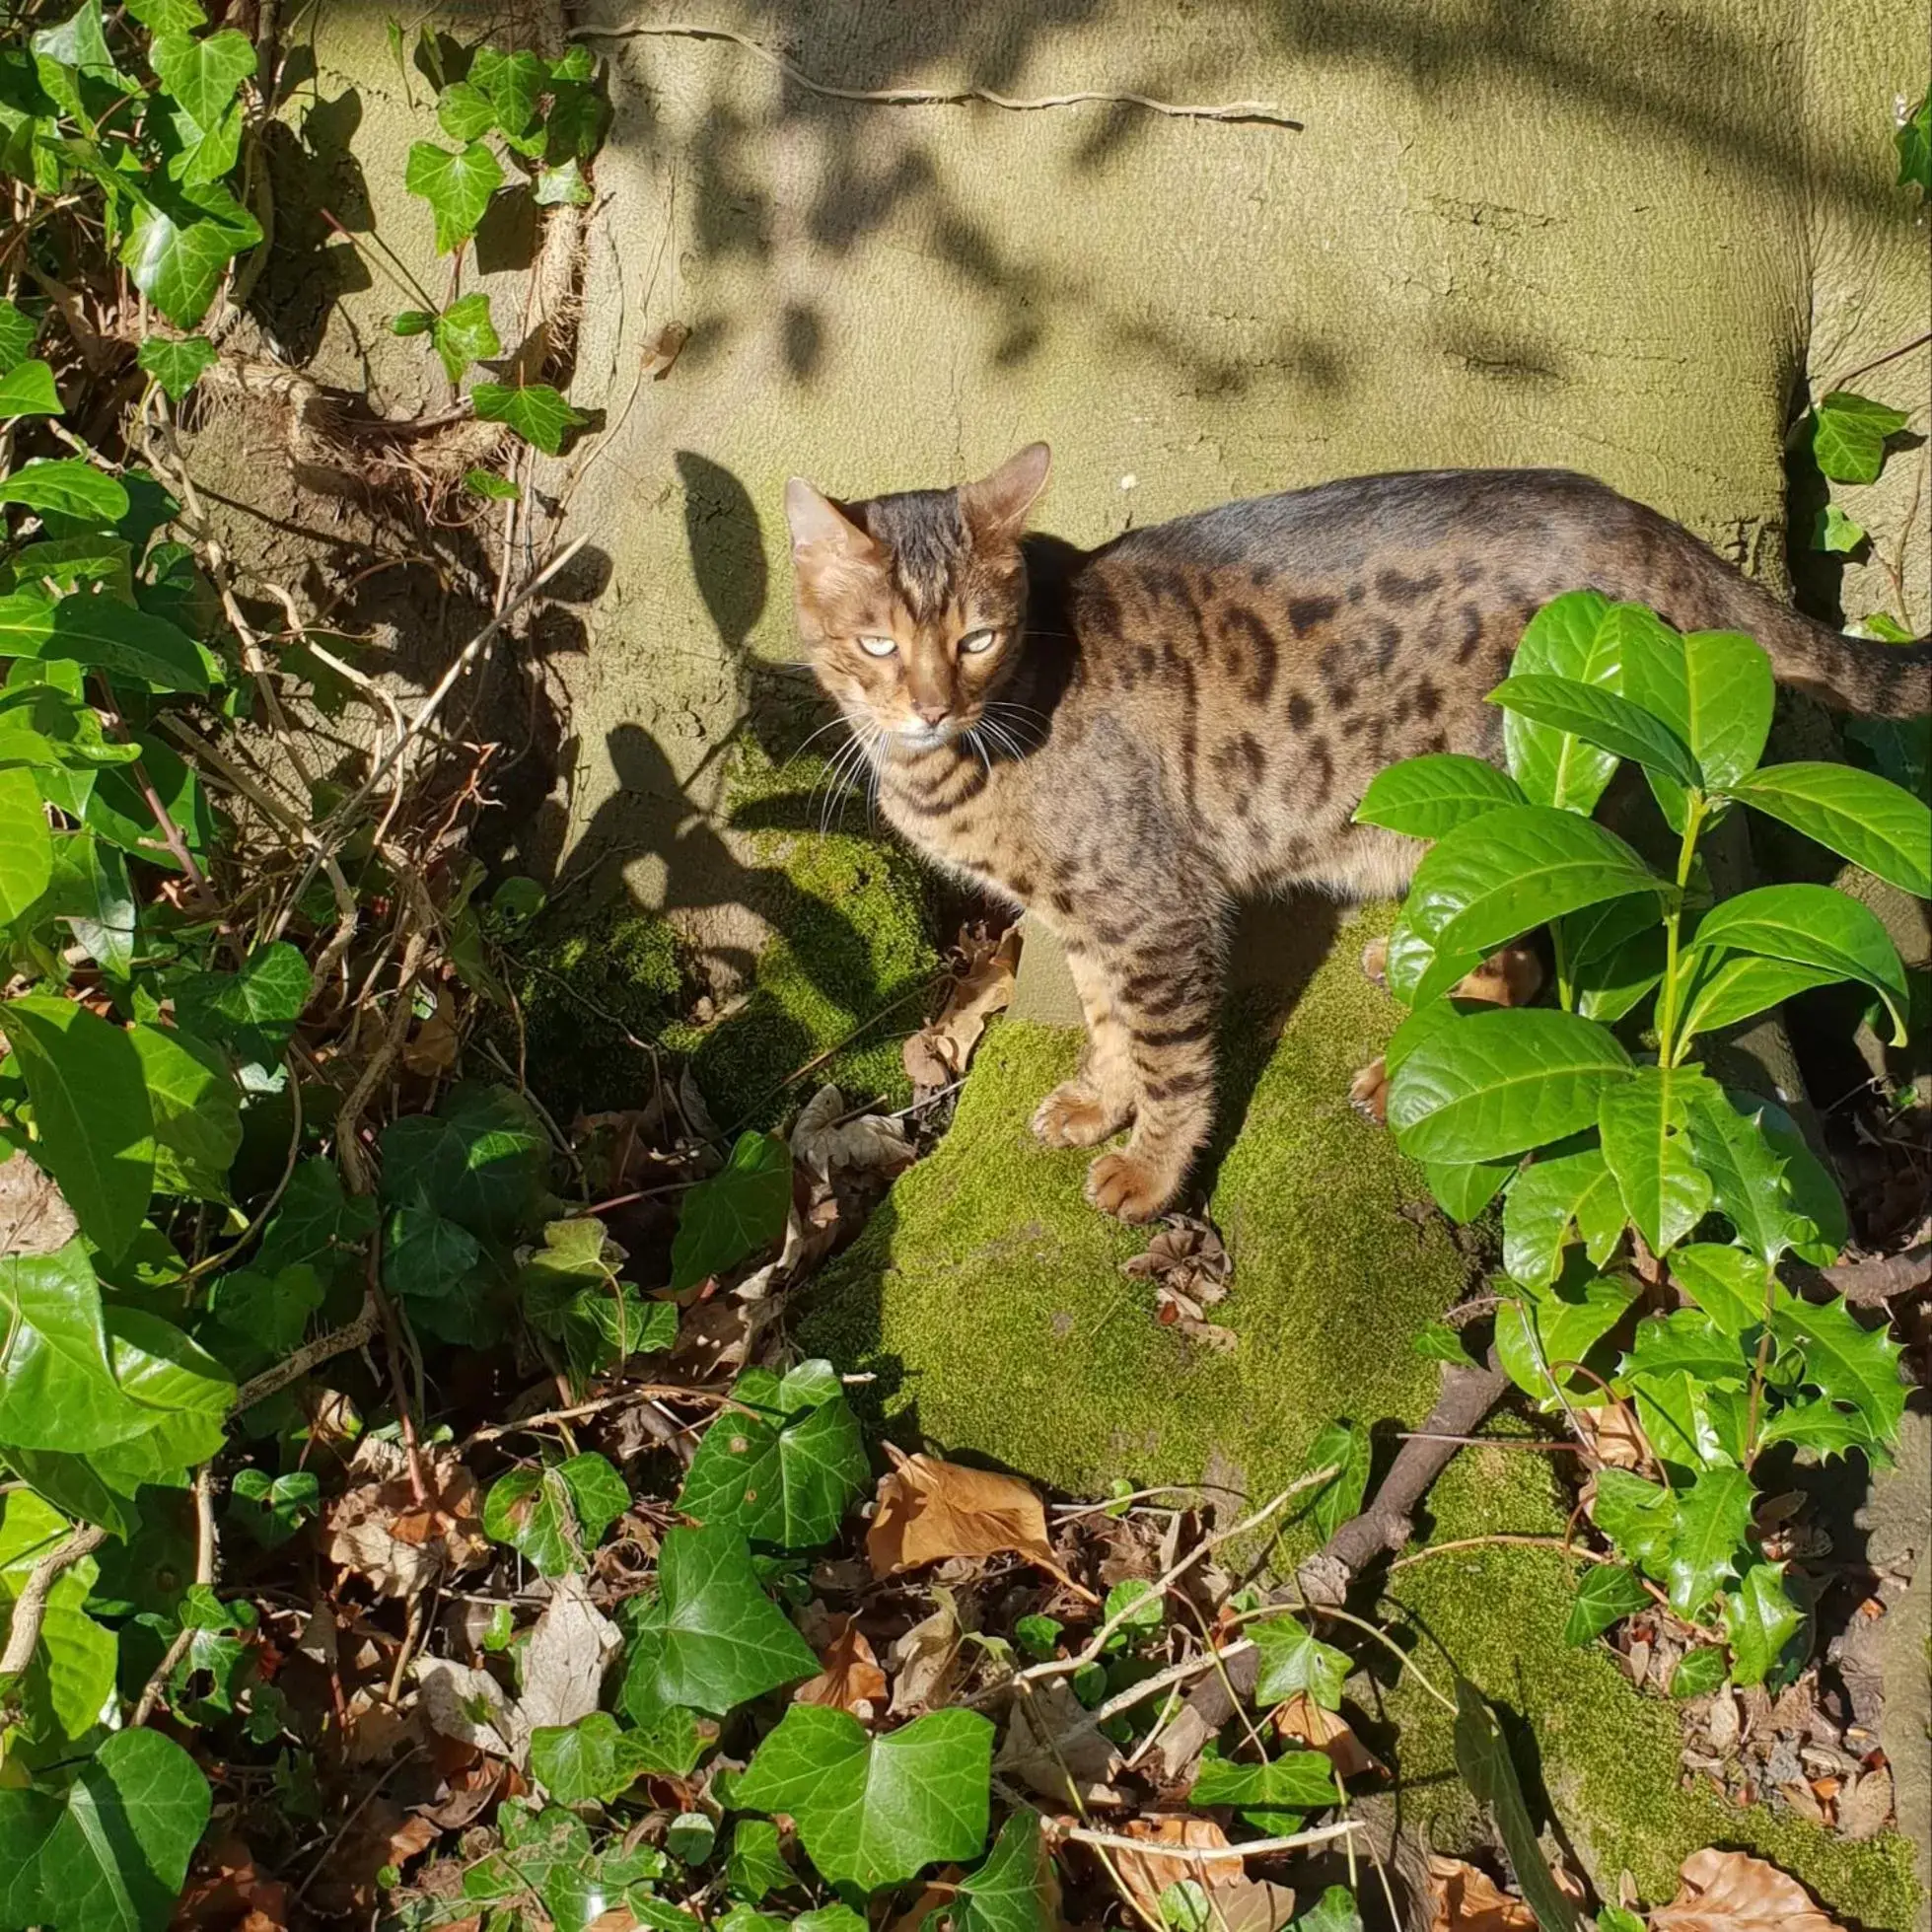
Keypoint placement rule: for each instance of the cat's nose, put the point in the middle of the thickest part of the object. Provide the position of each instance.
(932, 713)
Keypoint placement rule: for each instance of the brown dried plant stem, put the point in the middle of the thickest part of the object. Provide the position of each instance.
(31, 1606)
(205, 1575)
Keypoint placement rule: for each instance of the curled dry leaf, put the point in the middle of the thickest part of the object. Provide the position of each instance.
(926, 1657)
(1614, 1435)
(663, 348)
(1463, 1898)
(35, 1218)
(1049, 1741)
(827, 1143)
(851, 1679)
(471, 1707)
(1148, 1873)
(1865, 1807)
(1732, 1891)
(1254, 1906)
(433, 1046)
(381, 1834)
(1301, 1720)
(1190, 1271)
(231, 1894)
(929, 1510)
(381, 1532)
(938, 1054)
(569, 1650)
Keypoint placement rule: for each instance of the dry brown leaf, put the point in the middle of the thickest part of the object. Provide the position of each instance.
(1614, 1435)
(433, 1046)
(929, 1510)
(1301, 1720)
(35, 1218)
(383, 1834)
(470, 1792)
(372, 1729)
(1254, 1906)
(232, 1894)
(824, 1142)
(569, 1650)
(851, 1679)
(926, 1658)
(1148, 1873)
(381, 1532)
(1466, 1900)
(1732, 1891)
(663, 348)
(938, 1054)
(1049, 1741)
(471, 1707)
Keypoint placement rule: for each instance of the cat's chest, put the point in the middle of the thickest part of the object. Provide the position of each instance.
(976, 836)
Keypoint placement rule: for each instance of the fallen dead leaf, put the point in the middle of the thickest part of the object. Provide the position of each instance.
(1301, 1720)
(938, 1054)
(1048, 1742)
(470, 1792)
(1252, 1905)
(372, 1729)
(232, 1894)
(1732, 1891)
(1466, 1900)
(1148, 1873)
(1614, 1435)
(384, 1834)
(564, 1661)
(35, 1218)
(663, 348)
(381, 1532)
(433, 1046)
(926, 1658)
(851, 1679)
(929, 1510)
(825, 1142)
(471, 1707)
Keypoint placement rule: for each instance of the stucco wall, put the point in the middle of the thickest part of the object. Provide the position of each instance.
(1593, 233)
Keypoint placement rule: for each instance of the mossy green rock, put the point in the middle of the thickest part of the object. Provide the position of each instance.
(988, 1298)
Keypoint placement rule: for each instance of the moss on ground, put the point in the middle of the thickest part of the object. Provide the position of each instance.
(851, 948)
(986, 1297)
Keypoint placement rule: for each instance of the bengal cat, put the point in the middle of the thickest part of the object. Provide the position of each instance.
(1126, 739)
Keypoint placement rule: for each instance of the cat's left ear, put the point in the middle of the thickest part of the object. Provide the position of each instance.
(997, 505)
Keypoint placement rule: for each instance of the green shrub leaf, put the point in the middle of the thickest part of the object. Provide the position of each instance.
(1463, 1190)
(1483, 1757)
(536, 411)
(1643, 1124)
(1820, 1426)
(1731, 1285)
(1845, 1363)
(458, 188)
(554, 1515)
(17, 331)
(1344, 1446)
(1539, 1335)
(100, 633)
(1856, 813)
(196, 1108)
(1569, 637)
(463, 333)
(1708, 1544)
(1501, 1082)
(1548, 1199)
(1714, 688)
(1688, 1342)
(1913, 141)
(1600, 718)
(1760, 1619)
(28, 390)
(26, 844)
(203, 75)
(734, 1213)
(66, 486)
(874, 1811)
(1726, 988)
(1637, 1516)
(1607, 1595)
(1426, 797)
(70, 1674)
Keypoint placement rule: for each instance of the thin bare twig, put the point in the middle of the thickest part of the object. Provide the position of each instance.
(1254, 1848)
(945, 97)
(205, 1575)
(311, 1354)
(31, 1606)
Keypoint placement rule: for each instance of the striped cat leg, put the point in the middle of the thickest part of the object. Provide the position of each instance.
(1099, 1099)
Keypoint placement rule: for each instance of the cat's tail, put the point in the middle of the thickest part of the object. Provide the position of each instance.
(1850, 674)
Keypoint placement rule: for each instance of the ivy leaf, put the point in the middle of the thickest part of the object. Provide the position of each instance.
(117, 1856)
(1483, 1757)
(1914, 143)
(271, 1509)
(70, 1674)
(203, 75)
(536, 412)
(720, 1639)
(1607, 1594)
(463, 333)
(465, 112)
(17, 331)
(317, 1225)
(1760, 1620)
(1845, 1363)
(1698, 1671)
(1335, 1912)
(590, 1761)
(734, 1213)
(196, 1108)
(253, 1010)
(28, 390)
(1296, 1781)
(755, 1866)
(563, 187)
(175, 253)
(176, 366)
(554, 1515)
(412, 321)
(1713, 1516)
(93, 1120)
(482, 1159)
(1294, 1660)
(80, 41)
(787, 1479)
(1836, 533)
(873, 1811)
(1015, 1889)
(1637, 1516)
(1848, 435)
(1345, 1446)
(26, 844)
(486, 483)
(66, 486)
(456, 187)
(514, 82)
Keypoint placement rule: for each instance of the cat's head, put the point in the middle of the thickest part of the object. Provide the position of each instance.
(912, 605)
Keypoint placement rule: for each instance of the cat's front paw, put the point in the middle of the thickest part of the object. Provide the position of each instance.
(1368, 1092)
(1073, 1115)
(1130, 1187)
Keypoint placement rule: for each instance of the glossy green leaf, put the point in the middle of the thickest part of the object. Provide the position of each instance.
(1848, 435)
(104, 634)
(1600, 718)
(70, 1676)
(1296, 1781)
(536, 412)
(318, 1225)
(79, 42)
(1345, 1447)
(26, 844)
(253, 1010)
(1714, 688)
(1426, 797)
(465, 112)
(1014, 1888)
(203, 75)
(1501, 1082)
(756, 1864)
(1812, 1192)
(1748, 1186)
(1549, 1198)
(1688, 1342)
(463, 333)
(590, 1761)
(458, 188)
(722, 1640)
(1569, 637)
(17, 331)
(1708, 1546)
(92, 1122)
(1732, 1285)
(874, 1811)
(28, 390)
(1759, 1619)
(486, 483)
(1813, 926)
(1727, 988)
(1698, 1672)
(1643, 1123)
(1856, 813)
(1293, 1658)
(1639, 1517)
(176, 365)
(197, 1109)
(1845, 1361)
(1606, 1594)
(734, 1213)
(57, 1387)
(176, 255)
(1689, 1425)
(1464, 1191)
(1482, 1755)
(554, 1515)
(1541, 1334)
(1334, 1912)
(482, 1159)
(1836, 533)
(1820, 1426)
(66, 486)
(1913, 140)
(116, 1858)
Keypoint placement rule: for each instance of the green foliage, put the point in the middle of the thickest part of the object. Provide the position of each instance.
(1914, 143)
(1343, 1447)
(734, 1213)
(1482, 1755)
(554, 1515)
(1592, 1142)
(1847, 434)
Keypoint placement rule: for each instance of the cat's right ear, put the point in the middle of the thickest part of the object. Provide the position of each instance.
(821, 528)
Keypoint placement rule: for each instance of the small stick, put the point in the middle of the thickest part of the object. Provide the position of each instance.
(31, 1606)
(1255, 1848)
(937, 97)
(311, 1354)
(205, 1575)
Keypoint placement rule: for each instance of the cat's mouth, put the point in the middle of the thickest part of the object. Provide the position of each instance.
(929, 738)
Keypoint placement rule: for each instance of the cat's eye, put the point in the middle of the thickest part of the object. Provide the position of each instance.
(975, 641)
(877, 647)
